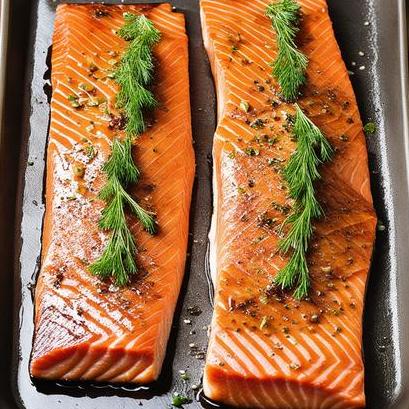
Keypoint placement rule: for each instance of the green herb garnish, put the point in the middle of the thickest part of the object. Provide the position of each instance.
(184, 375)
(370, 128)
(252, 152)
(135, 71)
(178, 400)
(300, 173)
(290, 64)
(90, 151)
(133, 75)
(74, 101)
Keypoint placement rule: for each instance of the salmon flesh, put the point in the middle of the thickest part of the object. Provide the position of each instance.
(268, 350)
(85, 328)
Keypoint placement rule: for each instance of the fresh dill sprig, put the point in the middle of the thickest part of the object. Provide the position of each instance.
(300, 173)
(289, 69)
(118, 259)
(290, 64)
(135, 71)
(134, 75)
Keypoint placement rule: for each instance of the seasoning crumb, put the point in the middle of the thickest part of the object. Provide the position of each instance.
(194, 310)
(99, 13)
(264, 322)
(326, 269)
(257, 124)
(294, 366)
(244, 106)
(381, 226)
(252, 152)
(183, 375)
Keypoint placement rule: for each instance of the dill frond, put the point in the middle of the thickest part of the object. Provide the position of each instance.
(290, 64)
(301, 172)
(302, 169)
(121, 163)
(118, 198)
(118, 259)
(135, 71)
(134, 75)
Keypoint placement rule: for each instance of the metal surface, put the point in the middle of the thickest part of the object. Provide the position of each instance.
(382, 94)
(5, 278)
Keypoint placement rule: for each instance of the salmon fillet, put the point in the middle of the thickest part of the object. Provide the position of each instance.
(87, 329)
(268, 350)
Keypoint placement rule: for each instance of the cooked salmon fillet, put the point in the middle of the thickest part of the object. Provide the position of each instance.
(85, 328)
(268, 350)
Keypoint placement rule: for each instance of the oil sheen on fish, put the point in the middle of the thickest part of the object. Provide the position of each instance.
(266, 349)
(85, 328)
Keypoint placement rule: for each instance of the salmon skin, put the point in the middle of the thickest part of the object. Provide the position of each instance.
(268, 350)
(85, 328)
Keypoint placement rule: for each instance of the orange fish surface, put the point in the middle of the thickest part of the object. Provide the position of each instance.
(87, 329)
(267, 350)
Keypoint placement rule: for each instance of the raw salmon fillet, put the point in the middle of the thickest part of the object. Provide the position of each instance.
(87, 329)
(266, 349)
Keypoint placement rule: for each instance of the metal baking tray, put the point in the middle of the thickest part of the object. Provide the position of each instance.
(376, 27)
